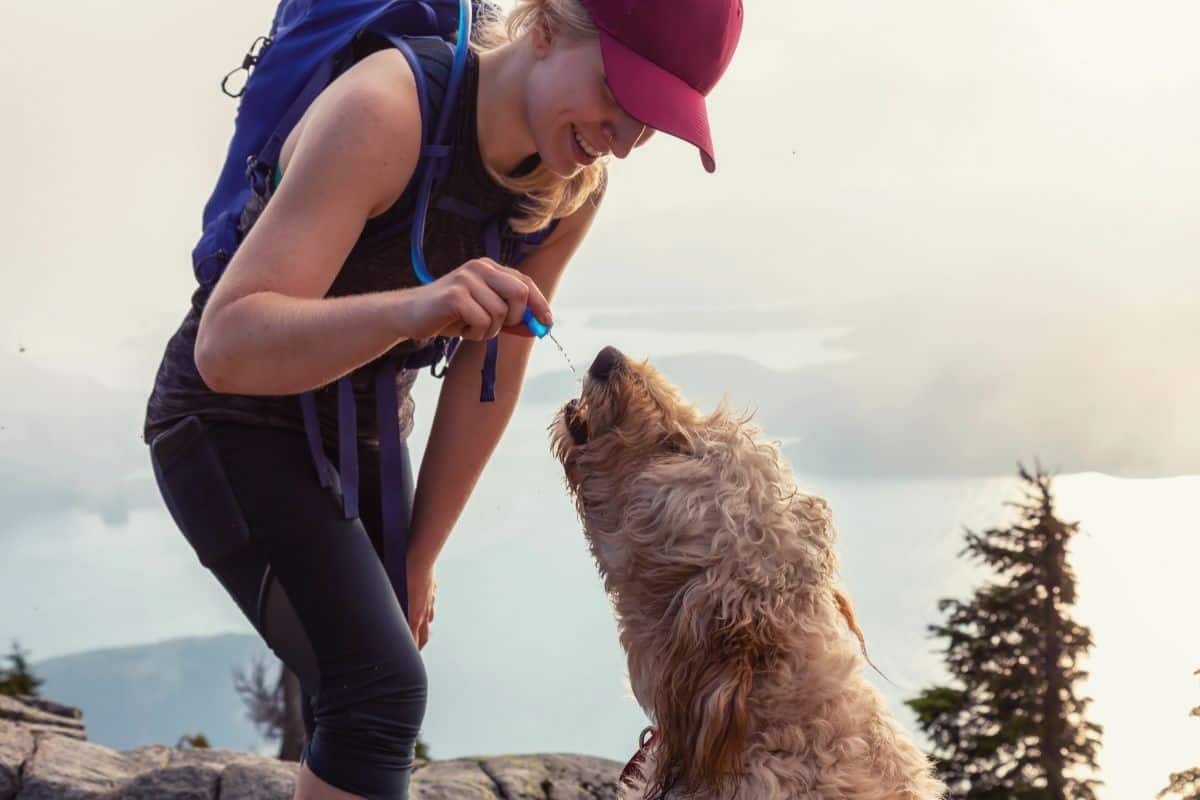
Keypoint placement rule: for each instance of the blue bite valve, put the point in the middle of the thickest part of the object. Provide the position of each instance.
(531, 322)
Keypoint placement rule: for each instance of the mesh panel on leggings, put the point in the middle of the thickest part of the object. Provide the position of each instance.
(284, 633)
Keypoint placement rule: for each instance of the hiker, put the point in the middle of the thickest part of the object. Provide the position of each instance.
(350, 251)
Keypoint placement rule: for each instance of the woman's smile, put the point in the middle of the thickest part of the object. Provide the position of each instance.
(582, 150)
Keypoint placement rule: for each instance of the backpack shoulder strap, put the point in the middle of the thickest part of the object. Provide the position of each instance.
(430, 59)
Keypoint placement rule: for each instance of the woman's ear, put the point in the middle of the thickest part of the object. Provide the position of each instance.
(541, 36)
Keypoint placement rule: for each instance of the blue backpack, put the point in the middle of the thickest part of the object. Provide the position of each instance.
(310, 43)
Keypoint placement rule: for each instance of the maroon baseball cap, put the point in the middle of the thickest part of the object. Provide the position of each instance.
(662, 57)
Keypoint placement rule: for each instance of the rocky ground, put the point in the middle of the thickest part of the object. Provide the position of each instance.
(45, 755)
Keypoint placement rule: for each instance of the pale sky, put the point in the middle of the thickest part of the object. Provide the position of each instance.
(942, 236)
(1003, 194)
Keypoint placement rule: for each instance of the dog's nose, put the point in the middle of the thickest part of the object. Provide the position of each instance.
(602, 367)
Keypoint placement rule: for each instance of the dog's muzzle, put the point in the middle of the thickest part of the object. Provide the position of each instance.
(576, 426)
(606, 361)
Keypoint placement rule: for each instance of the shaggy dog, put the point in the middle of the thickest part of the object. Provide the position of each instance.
(721, 574)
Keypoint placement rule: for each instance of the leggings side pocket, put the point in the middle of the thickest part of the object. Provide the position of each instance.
(196, 489)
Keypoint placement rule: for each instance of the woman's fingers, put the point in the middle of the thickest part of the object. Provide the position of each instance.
(414, 623)
(538, 303)
(519, 291)
(474, 318)
(420, 627)
(506, 284)
(495, 306)
(489, 298)
(533, 299)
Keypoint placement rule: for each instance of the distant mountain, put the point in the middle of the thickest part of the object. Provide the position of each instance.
(154, 693)
(916, 407)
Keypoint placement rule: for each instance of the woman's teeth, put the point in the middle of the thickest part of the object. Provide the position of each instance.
(587, 148)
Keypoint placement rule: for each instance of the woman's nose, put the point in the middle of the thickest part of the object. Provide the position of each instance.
(623, 135)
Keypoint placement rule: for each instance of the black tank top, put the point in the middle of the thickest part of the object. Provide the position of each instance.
(375, 264)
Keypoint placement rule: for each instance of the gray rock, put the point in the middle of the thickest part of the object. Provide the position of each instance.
(213, 755)
(44, 756)
(453, 779)
(152, 756)
(260, 779)
(63, 768)
(191, 782)
(16, 746)
(51, 707)
(38, 729)
(558, 776)
(33, 717)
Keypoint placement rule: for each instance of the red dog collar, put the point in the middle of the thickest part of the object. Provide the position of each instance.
(638, 757)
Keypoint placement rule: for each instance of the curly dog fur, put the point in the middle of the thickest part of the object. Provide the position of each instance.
(721, 573)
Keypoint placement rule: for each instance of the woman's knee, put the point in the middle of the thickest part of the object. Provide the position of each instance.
(386, 691)
(367, 719)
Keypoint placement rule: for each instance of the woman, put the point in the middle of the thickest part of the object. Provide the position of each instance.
(544, 99)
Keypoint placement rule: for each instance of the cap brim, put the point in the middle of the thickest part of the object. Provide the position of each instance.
(656, 97)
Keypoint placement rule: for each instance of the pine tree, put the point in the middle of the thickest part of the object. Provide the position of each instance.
(273, 706)
(18, 680)
(1186, 784)
(1012, 728)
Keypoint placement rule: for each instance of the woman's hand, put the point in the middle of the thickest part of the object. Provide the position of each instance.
(475, 301)
(422, 586)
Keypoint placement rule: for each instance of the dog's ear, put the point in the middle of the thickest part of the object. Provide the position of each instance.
(701, 703)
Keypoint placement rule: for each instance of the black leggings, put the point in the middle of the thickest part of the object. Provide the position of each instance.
(313, 585)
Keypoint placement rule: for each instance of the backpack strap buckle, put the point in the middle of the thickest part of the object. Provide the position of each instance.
(258, 172)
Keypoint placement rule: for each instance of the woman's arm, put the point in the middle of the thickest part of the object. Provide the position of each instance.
(268, 327)
(466, 431)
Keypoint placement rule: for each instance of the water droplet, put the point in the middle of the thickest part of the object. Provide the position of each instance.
(567, 357)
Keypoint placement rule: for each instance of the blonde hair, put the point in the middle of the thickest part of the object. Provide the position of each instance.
(547, 195)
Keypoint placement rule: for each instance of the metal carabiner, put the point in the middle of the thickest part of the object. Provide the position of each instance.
(257, 48)
(449, 346)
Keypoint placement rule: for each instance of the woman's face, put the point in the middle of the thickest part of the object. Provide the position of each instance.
(567, 96)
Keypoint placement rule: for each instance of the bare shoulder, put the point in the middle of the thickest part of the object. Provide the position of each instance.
(355, 154)
(368, 120)
(381, 84)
